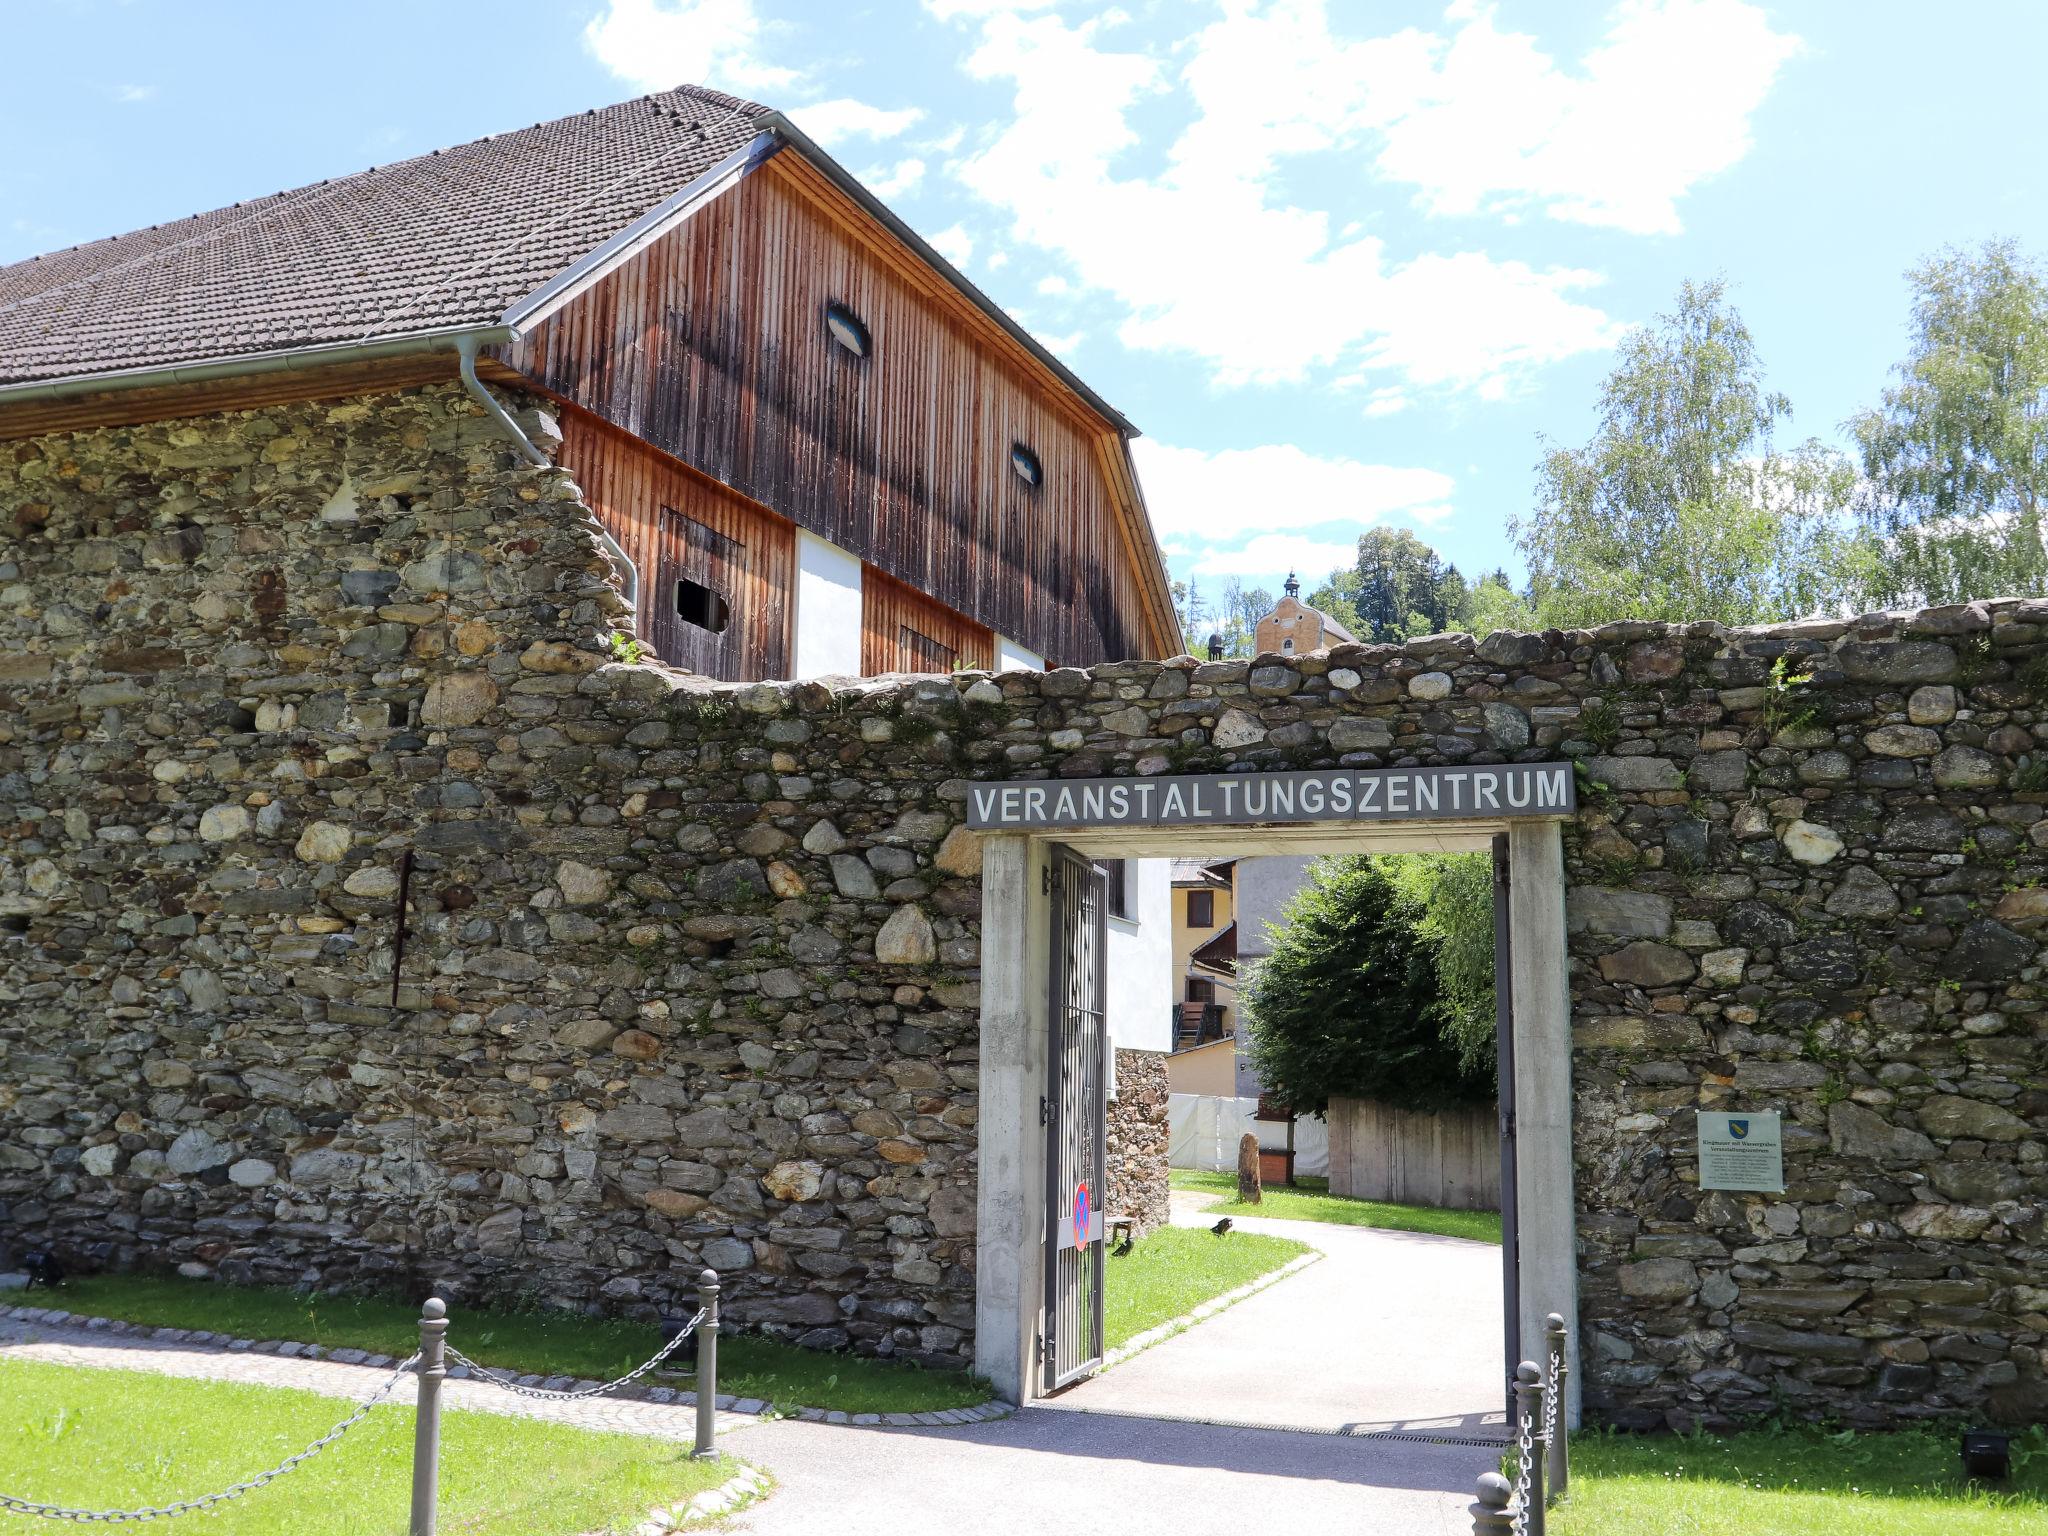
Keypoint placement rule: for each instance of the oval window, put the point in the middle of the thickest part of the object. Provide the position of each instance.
(845, 327)
(1025, 462)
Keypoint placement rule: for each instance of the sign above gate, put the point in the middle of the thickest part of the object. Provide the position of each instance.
(1482, 793)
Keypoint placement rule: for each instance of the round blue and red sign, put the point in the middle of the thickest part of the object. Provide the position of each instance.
(1083, 1211)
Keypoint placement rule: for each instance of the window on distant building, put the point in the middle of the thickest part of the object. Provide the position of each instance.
(697, 604)
(845, 327)
(1201, 909)
(1201, 990)
(1025, 462)
(1118, 872)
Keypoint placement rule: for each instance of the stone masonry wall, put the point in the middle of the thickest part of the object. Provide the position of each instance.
(692, 975)
(1137, 1141)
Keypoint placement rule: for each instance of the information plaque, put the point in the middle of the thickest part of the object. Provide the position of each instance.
(1742, 1151)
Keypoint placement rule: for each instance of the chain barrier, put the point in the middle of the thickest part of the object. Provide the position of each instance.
(1525, 1470)
(1550, 1401)
(18, 1506)
(499, 1379)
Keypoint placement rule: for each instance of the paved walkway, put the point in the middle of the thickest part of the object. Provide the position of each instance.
(1389, 1331)
(1043, 1470)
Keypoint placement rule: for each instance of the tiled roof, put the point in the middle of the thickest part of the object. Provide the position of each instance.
(449, 239)
(1201, 872)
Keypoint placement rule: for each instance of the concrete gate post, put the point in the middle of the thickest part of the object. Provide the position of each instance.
(1545, 1207)
(1010, 1182)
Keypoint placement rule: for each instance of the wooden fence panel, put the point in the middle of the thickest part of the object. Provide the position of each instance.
(1450, 1160)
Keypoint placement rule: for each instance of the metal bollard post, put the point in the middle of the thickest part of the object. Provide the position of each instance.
(1560, 1470)
(1490, 1516)
(426, 1429)
(1529, 1408)
(707, 1367)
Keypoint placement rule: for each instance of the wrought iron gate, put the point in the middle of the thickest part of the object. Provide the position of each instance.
(1074, 1110)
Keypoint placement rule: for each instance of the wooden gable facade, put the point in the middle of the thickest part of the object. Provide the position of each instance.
(712, 413)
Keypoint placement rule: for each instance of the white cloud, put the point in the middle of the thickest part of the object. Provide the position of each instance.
(1243, 243)
(656, 45)
(1276, 487)
(1265, 560)
(1201, 256)
(832, 123)
(947, 10)
(956, 244)
(133, 93)
(1661, 102)
(897, 180)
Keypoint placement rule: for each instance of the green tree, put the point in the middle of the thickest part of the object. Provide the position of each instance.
(1338, 599)
(1405, 588)
(1956, 458)
(1238, 619)
(1347, 1002)
(1682, 507)
(1495, 604)
(1191, 609)
(1450, 899)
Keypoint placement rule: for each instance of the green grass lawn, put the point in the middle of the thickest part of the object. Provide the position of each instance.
(1176, 1269)
(118, 1439)
(1310, 1200)
(1796, 1483)
(550, 1343)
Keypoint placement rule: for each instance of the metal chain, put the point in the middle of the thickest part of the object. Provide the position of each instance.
(498, 1379)
(1556, 1361)
(17, 1506)
(1525, 1473)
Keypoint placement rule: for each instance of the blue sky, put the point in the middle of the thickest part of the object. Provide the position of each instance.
(1342, 262)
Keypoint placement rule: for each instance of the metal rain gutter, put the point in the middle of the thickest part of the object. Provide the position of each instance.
(276, 360)
(465, 351)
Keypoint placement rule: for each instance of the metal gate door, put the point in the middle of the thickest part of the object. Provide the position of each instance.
(1074, 1109)
(1504, 1053)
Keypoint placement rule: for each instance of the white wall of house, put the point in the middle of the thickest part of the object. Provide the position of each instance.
(1012, 657)
(1140, 961)
(827, 609)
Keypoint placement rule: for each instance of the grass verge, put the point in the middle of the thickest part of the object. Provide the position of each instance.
(550, 1343)
(1796, 1482)
(118, 1439)
(1176, 1269)
(1308, 1203)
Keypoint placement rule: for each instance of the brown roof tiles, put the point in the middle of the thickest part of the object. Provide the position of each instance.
(449, 239)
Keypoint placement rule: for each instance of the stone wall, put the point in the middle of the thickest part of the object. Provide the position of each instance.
(1137, 1140)
(690, 977)
(692, 972)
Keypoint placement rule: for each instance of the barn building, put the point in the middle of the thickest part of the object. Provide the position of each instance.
(817, 447)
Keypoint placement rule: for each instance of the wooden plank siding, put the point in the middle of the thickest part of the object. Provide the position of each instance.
(674, 523)
(711, 344)
(243, 392)
(902, 630)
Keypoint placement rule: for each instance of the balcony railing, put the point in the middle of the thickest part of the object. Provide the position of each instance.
(1197, 1024)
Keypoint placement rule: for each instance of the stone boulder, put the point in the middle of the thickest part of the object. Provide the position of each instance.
(1647, 964)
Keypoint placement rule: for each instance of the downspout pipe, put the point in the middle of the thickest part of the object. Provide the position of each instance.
(465, 352)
